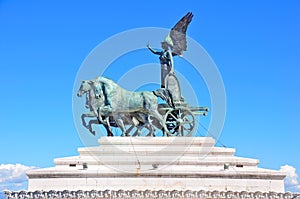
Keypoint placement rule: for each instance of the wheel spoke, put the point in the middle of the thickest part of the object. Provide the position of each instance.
(190, 123)
(188, 128)
(182, 130)
(187, 119)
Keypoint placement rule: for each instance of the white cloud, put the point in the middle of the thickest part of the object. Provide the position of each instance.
(291, 182)
(13, 176)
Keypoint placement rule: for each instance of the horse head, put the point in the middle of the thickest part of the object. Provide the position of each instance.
(85, 87)
(101, 100)
(98, 90)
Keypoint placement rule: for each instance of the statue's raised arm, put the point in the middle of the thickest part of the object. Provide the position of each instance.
(153, 51)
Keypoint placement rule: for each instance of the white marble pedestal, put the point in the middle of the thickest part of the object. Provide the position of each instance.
(156, 163)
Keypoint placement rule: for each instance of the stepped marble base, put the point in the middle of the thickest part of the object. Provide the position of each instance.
(160, 163)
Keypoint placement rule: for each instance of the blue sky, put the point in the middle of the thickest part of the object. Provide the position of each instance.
(255, 45)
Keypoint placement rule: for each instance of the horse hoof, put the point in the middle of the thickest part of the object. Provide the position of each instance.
(93, 132)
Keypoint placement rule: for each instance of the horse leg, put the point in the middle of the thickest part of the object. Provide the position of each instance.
(145, 123)
(96, 121)
(83, 116)
(130, 129)
(104, 120)
(151, 130)
(90, 126)
(135, 121)
(150, 127)
(121, 125)
(158, 116)
(147, 126)
(108, 128)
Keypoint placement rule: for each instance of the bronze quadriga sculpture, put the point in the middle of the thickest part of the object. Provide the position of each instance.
(138, 112)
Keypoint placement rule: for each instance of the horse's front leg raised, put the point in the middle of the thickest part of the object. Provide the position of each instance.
(83, 116)
(89, 126)
(106, 126)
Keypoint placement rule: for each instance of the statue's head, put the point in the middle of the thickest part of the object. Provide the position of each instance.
(167, 43)
(164, 45)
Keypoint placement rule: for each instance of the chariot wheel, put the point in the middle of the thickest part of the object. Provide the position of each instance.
(179, 122)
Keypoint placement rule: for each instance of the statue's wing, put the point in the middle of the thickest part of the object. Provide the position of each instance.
(178, 34)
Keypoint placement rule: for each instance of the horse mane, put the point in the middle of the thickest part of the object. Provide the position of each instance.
(105, 80)
(108, 85)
